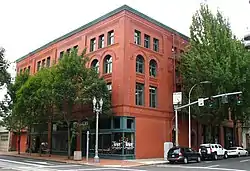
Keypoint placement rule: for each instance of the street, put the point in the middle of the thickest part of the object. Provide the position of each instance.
(9, 163)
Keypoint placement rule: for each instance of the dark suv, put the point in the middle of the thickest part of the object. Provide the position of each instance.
(183, 154)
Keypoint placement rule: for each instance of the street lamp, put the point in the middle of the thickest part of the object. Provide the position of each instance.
(97, 108)
(189, 111)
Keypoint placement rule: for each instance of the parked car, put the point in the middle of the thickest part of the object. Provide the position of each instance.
(237, 151)
(183, 154)
(212, 151)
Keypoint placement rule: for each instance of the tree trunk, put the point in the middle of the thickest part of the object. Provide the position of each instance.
(69, 142)
(18, 142)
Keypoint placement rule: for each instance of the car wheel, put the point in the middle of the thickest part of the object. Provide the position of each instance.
(198, 159)
(185, 160)
(215, 157)
(171, 162)
(225, 156)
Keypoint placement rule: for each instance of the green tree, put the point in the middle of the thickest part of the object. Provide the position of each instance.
(4, 75)
(13, 115)
(214, 54)
(76, 84)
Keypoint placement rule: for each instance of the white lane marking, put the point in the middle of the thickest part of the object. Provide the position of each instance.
(205, 168)
(244, 160)
(37, 162)
(23, 163)
(62, 165)
(124, 169)
(213, 166)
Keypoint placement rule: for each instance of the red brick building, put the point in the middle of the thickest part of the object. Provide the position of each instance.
(134, 53)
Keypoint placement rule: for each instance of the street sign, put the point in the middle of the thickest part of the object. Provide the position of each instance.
(177, 98)
(200, 102)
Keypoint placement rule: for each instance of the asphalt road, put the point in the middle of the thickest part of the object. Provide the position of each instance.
(8, 163)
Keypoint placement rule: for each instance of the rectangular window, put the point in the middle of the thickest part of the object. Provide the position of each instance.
(109, 86)
(38, 65)
(137, 37)
(101, 41)
(68, 50)
(92, 44)
(29, 69)
(24, 69)
(43, 63)
(156, 45)
(152, 96)
(48, 62)
(146, 41)
(139, 94)
(4, 138)
(61, 54)
(21, 70)
(111, 38)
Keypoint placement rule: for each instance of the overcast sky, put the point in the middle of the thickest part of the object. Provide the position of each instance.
(29, 24)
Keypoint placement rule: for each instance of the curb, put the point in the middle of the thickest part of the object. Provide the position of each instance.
(81, 163)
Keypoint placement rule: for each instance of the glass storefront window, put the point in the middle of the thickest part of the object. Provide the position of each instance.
(60, 142)
(129, 143)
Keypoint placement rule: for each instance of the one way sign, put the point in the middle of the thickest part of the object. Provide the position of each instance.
(200, 102)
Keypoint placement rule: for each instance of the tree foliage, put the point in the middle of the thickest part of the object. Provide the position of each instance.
(53, 93)
(4, 75)
(214, 54)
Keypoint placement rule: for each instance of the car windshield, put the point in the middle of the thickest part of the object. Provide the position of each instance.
(232, 148)
(174, 151)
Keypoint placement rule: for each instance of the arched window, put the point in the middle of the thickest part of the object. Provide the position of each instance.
(139, 64)
(95, 65)
(108, 64)
(152, 68)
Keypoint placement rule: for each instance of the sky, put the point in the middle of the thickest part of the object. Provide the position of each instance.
(27, 25)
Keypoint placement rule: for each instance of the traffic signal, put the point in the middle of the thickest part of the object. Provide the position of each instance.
(211, 102)
(238, 99)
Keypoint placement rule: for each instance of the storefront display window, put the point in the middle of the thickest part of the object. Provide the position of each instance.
(129, 143)
(59, 142)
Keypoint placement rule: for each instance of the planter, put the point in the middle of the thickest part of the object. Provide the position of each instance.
(77, 155)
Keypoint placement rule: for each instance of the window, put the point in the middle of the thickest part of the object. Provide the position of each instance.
(137, 37)
(156, 45)
(43, 63)
(75, 47)
(61, 54)
(108, 64)
(101, 41)
(92, 44)
(48, 62)
(4, 138)
(28, 69)
(139, 64)
(130, 123)
(109, 86)
(152, 96)
(111, 38)
(152, 68)
(95, 65)
(38, 65)
(24, 69)
(146, 41)
(68, 50)
(21, 70)
(116, 122)
(139, 94)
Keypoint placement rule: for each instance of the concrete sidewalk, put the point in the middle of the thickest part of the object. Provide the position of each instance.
(103, 162)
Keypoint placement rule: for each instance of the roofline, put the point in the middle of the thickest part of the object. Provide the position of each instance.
(114, 12)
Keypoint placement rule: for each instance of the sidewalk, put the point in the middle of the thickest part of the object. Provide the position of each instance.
(103, 162)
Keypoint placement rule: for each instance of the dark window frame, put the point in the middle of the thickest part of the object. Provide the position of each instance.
(140, 94)
(111, 37)
(140, 64)
(156, 44)
(101, 42)
(152, 96)
(137, 37)
(92, 44)
(146, 41)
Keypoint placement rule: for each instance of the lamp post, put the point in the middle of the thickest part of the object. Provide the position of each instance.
(97, 108)
(189, 111)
